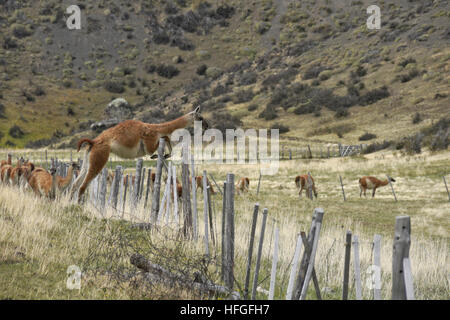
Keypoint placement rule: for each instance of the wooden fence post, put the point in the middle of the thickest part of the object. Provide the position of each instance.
(258, 258)
(305, 258)
(186, 195)
(125, 188)
(356, 265)
(377, 267)
(224, 208)
(149, 182)
(342, 187)
(217, 186)
(348, 245)
(294, 268)
(103, 185)
(157, 186)
(259, 182)
(205, 212)
(446, 187)
(175, 194)
(137, 181)
(309, 186)
(309, 152)
(392, 188)
(402, 242)
(229, 232)
(194, 198)
(273, 273)
(250, 250)
(318, 223)
(115, 186)
(210, 215)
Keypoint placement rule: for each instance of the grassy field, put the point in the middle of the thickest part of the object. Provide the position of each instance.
(40, 239)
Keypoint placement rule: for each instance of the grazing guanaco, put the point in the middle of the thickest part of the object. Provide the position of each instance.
(129, 139)
(369, 182)
(242, 185)
(300, 182)
(199, 183)
(44, 183)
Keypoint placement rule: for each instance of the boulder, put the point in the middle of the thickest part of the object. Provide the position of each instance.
(115, 112)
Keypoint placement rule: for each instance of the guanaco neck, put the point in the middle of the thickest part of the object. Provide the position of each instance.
(166, 128)
(64, 182)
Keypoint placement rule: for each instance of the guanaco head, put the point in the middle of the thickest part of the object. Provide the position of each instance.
(52, 171)
(198, 117)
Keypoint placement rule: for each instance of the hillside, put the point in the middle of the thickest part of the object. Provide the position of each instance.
(310, 68)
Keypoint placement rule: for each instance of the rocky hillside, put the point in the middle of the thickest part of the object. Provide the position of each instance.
(310, 68)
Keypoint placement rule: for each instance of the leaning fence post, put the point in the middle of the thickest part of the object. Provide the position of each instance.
(392, 188)
(356, 265)
(273, 273)
(318, 223)
(402, 241)
(137, 181)
(250, 250)
(294, 268)
(348, 244)
(258, 258)
(259, 183)
(377, 267)
(342, 187)
(446, 187)
(157, 186)
(224, 244)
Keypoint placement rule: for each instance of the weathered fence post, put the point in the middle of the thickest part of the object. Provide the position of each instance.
(273, 273)
(258, 258)
(309, 152)
(205, 212)
(157, 186)
(103, 185)
(342, 187)
(137, 181)
(210, 214)
(446, 187)
(377, 267)
(259, 182)
(348, 245)
(356, 265)
(250, 250)
(294, 268)
(115, 186)
(229, 233)
(318, 223)
(224, 208)
(186, 194)
(217, 186)
(402, 242)
(175, 194)
(392, 188)
(149, 182)
(125, 188)
(194, 198)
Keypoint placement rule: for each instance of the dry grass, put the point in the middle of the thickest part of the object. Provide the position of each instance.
(40, 239)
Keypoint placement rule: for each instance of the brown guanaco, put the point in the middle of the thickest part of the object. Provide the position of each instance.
(129, 139)
(300, 182)
(369, 182)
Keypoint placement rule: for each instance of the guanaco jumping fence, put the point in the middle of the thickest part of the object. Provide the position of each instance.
(126, 194)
